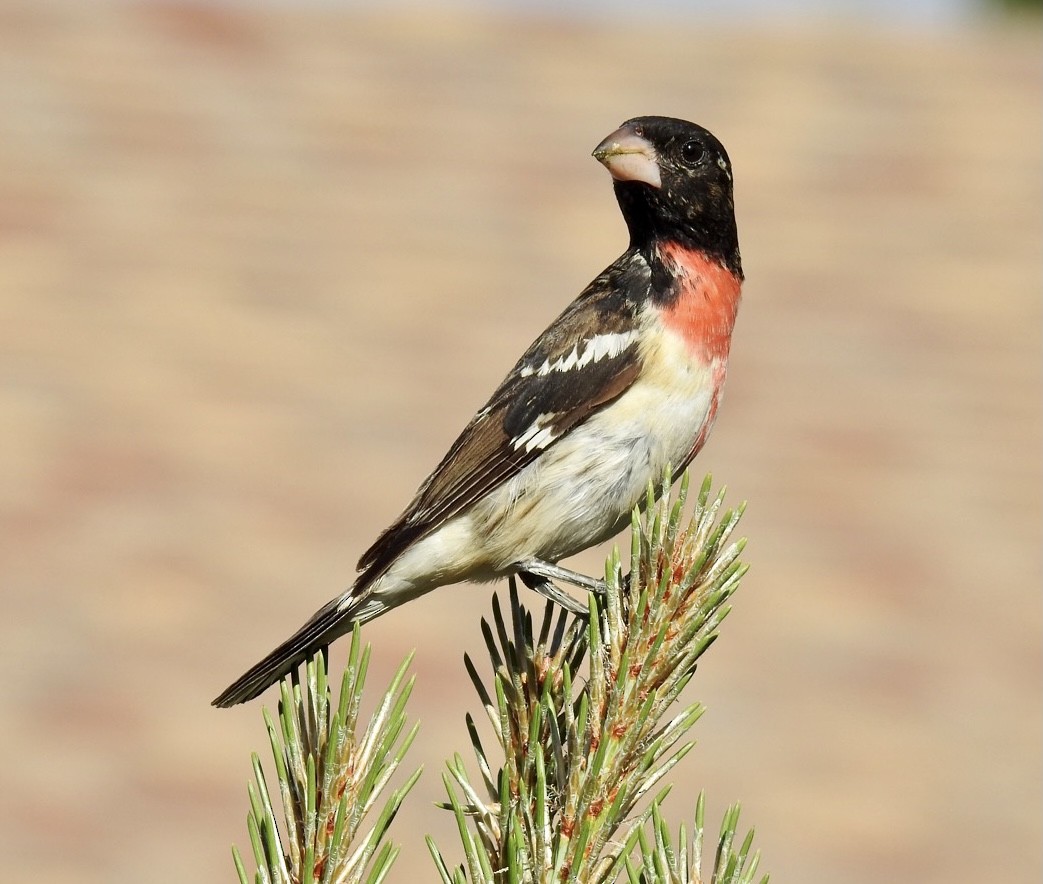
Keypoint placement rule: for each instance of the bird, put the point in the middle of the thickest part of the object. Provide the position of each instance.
(624, 384)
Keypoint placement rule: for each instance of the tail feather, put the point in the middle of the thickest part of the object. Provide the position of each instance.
(331, 621)
(373, 594)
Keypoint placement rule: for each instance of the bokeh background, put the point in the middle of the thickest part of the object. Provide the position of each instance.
(259, 265)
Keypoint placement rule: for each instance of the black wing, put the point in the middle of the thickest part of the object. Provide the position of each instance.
(585, 359)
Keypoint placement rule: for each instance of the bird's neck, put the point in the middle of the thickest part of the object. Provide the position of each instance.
(713, 232)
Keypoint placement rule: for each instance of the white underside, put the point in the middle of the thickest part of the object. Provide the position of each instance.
(579, 492)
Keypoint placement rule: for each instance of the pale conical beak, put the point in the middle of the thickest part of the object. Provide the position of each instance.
(629, 157)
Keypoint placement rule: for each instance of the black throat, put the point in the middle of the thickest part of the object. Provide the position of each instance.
(712, 230)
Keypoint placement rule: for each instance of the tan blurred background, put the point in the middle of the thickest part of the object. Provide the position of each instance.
(258, 267)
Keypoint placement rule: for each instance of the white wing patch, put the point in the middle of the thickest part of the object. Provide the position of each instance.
(537, 435)
(594, 350)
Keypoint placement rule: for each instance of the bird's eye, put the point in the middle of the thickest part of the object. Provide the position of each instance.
(693, 152)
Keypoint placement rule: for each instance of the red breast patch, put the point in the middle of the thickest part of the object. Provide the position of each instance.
(703, 312)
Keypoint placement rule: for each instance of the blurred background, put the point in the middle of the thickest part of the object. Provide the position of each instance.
(259, 265)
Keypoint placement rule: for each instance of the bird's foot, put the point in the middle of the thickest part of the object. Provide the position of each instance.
(538, 574)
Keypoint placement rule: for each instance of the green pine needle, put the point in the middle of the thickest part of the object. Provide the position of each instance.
(581, 755)
(331, 777)
(585, 754)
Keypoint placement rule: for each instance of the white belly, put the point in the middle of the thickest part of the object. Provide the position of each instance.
(582, 489)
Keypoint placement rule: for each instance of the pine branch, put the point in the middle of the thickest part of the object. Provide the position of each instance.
(578, 761)
(661, 862)
(330, 778)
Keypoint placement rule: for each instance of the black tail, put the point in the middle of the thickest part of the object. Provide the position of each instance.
(328, 623)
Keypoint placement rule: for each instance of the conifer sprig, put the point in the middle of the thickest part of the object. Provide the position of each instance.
(579, 759)
(660, 860)
(577, 794)
(330, 778)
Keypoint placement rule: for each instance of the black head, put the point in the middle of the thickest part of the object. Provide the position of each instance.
(673, 181)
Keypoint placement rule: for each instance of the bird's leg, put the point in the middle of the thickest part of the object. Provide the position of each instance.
(538, 574)
(551, 592)
(550, 571)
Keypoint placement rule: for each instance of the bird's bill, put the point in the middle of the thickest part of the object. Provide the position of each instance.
(629, 157)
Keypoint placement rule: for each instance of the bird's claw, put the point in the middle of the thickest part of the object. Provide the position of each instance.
(538, 575)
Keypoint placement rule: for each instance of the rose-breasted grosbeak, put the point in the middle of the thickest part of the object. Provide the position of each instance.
(626, 381)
